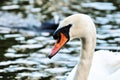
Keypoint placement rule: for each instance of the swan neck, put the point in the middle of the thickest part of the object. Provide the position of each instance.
(83, 68)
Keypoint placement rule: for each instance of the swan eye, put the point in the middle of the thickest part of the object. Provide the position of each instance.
(64, 30)
(57, 36)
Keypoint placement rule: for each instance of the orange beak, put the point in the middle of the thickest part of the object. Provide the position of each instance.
(58, 45)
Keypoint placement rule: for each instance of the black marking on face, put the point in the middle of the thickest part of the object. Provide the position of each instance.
(64, 30)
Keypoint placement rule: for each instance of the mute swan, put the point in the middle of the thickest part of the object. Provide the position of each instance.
(102, 65)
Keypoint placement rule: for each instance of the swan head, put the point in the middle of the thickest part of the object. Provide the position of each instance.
(74, 26)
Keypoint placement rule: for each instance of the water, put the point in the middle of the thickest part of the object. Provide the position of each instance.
(24, 50)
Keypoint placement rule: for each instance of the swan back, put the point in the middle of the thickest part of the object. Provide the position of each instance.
(105, 66)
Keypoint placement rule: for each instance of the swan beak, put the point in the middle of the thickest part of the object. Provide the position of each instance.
(58, 45)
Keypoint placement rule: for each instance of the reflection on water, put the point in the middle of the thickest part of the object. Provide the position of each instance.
(23, 52)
